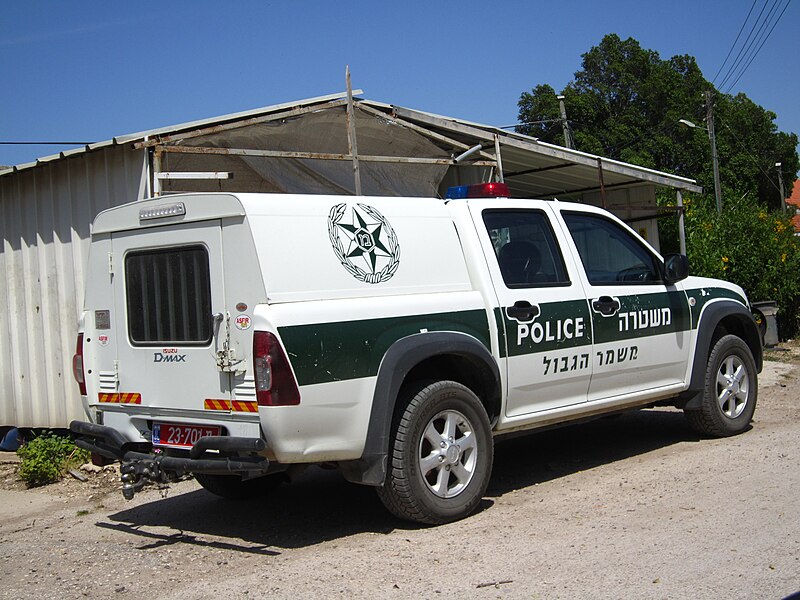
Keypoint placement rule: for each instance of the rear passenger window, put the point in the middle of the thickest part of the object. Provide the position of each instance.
(168, 296)
(609, 253)
(526, 249)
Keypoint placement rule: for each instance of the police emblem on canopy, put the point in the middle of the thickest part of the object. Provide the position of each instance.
(364, 242)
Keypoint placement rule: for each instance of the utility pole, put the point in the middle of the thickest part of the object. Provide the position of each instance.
(713, 139)
(780, 181)
(564, 122)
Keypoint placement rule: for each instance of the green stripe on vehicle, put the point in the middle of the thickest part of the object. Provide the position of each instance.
(325, 352)
(703, 296)
(643, 315)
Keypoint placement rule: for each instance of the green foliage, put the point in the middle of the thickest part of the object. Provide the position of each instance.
(46, 458)
(748, 245)
(625, 103)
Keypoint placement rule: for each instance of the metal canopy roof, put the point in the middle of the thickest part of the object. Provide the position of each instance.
(531, 168)
(536, 169)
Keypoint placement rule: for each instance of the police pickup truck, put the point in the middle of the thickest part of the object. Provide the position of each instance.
(241, 337)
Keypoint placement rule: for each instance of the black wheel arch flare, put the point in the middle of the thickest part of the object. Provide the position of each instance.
(403, 357)
(723, 316)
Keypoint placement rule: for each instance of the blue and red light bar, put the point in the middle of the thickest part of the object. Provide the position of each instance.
(478, 190)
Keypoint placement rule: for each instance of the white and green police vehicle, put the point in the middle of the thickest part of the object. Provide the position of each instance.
(241, 337)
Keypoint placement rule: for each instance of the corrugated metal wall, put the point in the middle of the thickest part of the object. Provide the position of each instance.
(45, 213)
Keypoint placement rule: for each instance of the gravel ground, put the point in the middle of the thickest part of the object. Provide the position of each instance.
(631, 507)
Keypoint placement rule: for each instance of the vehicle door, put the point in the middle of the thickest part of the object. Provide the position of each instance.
(168, 285)
(543, 313)
(641, 325)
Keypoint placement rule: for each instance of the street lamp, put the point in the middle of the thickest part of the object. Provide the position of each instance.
(714, 158)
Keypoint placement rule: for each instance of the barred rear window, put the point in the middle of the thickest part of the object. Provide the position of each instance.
(169, 296)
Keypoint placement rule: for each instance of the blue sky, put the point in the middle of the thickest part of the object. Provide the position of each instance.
(87, 71)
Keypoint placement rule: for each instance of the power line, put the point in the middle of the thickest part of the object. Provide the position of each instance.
(749, 53)
(746, 45)
(759, 48)
(747, 18)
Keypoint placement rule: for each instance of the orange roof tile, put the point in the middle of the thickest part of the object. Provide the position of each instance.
(794, 201)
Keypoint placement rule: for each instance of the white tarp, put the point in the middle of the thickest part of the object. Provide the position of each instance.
(325, 132)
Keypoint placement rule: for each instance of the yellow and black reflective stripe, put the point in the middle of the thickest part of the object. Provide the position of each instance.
(120, 398)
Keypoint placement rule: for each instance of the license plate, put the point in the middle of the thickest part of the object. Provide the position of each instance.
(181, 436)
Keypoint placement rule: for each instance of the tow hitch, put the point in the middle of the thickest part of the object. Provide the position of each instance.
(140, 468)
(138, 473)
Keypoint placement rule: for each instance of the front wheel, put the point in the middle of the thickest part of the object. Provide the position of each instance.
(730, 392)
(440, 455)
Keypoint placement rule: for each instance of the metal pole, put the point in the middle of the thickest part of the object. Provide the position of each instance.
(148, 169)
(780, 181)
(156, 171)
(681, 227)
(602, 183)
(352, 146)
(564, 122)
(714, 158)
(499, 159)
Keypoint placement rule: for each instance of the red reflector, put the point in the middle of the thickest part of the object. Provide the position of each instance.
(77, 366)
(488, 190)
(275, 384)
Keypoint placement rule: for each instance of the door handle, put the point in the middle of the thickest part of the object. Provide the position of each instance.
(606, 305)
(522, 311)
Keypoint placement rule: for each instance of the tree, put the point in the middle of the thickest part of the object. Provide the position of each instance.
(625, 104)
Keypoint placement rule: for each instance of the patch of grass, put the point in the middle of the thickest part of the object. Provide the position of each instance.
(47, 457)
(82, 513)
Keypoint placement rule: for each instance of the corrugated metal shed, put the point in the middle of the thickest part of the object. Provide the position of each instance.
(46, 206)
(45, 214)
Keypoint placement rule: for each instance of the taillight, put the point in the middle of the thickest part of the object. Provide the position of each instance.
(77, 366)
(275, 384)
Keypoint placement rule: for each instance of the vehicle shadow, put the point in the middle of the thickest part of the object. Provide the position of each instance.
(320, 505)
(526, 460)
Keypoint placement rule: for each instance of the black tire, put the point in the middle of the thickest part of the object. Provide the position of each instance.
(233, 487)
(438, 478)
(730, 391)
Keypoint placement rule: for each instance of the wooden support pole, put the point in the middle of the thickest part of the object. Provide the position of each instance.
(352, 145)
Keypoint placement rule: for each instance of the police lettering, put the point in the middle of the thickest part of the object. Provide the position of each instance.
(551, 331)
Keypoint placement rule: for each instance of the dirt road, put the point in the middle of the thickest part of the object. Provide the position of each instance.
(630, 507)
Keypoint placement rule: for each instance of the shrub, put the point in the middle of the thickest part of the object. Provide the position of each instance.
(750, 246)
(47, 457)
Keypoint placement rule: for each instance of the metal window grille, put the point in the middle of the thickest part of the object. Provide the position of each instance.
(168, 293)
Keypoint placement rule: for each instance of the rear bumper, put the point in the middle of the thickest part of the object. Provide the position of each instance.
(235, 455)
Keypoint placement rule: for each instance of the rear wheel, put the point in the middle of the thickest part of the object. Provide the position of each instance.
(234, 487)
(440, 455)
(731, 390)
